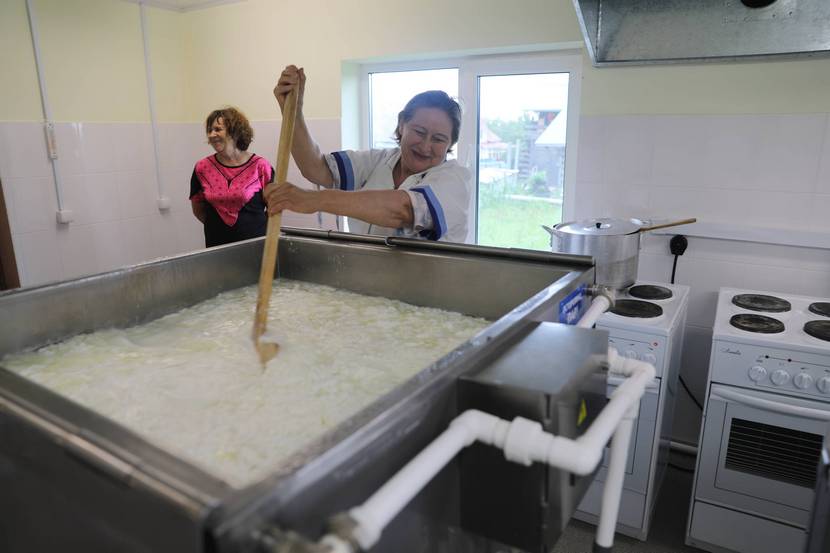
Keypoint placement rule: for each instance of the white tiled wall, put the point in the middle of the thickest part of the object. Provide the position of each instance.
(108, 181)
(757, 171)
(768, 171)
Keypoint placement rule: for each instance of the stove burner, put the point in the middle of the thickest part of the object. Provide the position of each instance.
(637, 308)
(756, 323)
(820, 308)
(760, 302)
(649, 292)
(818, 329)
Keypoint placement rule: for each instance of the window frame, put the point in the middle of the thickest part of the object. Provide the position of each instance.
(393, 67)
(470, 69)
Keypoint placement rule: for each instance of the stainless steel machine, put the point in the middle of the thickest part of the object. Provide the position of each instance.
(76, 480)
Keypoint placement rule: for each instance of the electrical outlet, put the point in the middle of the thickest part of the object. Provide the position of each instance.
(678, 244)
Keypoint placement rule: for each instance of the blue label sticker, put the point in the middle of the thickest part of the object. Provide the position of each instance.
(573, 306)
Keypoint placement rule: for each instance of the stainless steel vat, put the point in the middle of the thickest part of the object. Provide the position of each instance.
(74, 480)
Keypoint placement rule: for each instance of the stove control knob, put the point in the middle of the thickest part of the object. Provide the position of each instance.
(824, 384)
(757, 373)
(650, 358)
(780, 377)
(803, 380)
(631, 354)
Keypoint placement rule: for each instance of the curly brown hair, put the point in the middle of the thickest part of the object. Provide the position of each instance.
(236, 125)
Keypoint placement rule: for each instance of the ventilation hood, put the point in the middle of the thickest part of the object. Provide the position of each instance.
(668, 31)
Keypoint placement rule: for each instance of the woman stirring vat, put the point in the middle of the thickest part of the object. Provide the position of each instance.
(226, 187)
(409, 191)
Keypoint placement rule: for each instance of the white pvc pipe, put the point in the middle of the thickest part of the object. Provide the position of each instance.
(599, 306)
(48, 125)
(162, 201)
(582, 455)
(523, 441)
(373, 516)
(612, 489)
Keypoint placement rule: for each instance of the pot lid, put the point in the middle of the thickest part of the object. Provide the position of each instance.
(601, 227)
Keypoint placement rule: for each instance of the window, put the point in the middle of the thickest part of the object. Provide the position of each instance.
(514, 137)
(389, 91)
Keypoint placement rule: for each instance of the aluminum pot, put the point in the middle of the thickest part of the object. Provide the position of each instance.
(613, 243)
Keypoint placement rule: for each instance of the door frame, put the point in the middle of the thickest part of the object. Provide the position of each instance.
(9, 277)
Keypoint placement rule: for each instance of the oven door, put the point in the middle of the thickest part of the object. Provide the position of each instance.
(759, 452)
(637, 465)
(638, 461)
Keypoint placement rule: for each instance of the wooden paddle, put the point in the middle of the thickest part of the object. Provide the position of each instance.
(267, 350)
(671, 224)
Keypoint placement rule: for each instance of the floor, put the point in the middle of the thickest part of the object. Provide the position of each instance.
(668, 528)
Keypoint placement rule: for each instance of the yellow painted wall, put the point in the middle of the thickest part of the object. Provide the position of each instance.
(320, 36)
(262, 36)
(713, 88)
(168, 58)
(19, 100)
(232, 54)
(93, 61)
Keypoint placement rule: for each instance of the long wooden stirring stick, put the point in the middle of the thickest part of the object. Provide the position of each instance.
(267, 350)
(669, 224)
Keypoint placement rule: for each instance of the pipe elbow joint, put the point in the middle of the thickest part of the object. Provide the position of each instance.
(628, 367)
(579, 457)
(474, 424)
(593, 457)
(478, 425)
(587, 460)
(603, 291)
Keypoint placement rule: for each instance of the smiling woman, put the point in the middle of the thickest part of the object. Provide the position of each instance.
(226, 188)
(411, 190)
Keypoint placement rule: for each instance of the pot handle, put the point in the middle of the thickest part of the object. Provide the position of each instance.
(670, 224)
(554, 234)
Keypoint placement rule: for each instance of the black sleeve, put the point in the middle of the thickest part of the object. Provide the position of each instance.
(195, 185)
(273, 174)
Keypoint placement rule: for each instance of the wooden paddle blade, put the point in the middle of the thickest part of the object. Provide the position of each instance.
(266, 351)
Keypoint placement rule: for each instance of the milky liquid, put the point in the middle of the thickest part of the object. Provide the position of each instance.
(191, 381)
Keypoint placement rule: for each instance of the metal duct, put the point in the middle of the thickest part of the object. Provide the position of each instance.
(671, 31)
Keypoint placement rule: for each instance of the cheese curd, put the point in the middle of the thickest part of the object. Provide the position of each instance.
(191, 382)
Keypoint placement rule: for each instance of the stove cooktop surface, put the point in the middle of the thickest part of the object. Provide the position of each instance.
(775, 319)
(761, 302)
(649, 292)
(636, 308)
(756, 323)
(652, 307)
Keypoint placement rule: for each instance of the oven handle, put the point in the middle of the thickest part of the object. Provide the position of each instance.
(773, 406)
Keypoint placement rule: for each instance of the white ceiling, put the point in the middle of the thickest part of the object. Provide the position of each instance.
(184, 5)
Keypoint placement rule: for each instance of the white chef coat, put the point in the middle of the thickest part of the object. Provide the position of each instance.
(440, 196)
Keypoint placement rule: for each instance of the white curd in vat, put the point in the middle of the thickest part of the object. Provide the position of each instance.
(191, 381)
